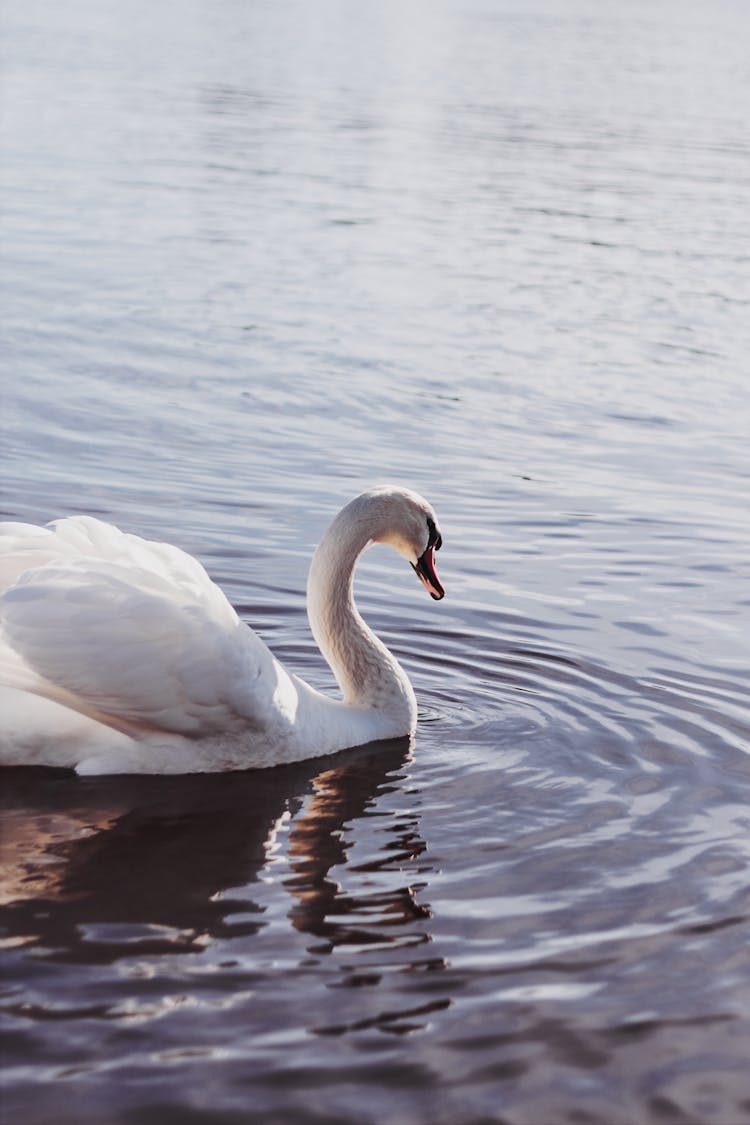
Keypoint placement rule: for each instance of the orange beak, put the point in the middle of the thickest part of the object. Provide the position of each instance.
(427, 574)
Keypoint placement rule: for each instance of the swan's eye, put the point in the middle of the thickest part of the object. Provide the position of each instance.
(435, 539)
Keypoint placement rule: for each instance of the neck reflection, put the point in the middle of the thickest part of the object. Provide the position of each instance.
(345, 816)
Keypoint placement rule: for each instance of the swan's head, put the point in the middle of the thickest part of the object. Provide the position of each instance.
(406, 522)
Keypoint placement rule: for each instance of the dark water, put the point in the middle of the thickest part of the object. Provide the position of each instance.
(256, 257)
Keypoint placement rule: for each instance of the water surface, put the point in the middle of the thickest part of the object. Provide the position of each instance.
(254, 259)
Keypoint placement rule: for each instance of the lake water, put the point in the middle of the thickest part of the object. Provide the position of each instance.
(255, 258)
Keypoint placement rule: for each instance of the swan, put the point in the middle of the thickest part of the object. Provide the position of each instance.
(120, 655)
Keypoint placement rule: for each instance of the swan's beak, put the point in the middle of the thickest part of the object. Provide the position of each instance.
(425, 568)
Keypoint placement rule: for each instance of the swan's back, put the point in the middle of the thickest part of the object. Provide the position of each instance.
(86, 541)
(127, 631)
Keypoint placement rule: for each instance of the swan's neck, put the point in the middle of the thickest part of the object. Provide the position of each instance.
(368, 674)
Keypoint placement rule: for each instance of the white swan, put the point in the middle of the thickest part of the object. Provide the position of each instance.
(120, 655)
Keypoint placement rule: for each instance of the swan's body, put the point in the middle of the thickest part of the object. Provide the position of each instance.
(120, 655)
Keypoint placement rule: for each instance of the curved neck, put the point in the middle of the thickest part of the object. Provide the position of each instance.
(368, 674)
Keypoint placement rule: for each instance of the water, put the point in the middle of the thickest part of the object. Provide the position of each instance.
(256, 258)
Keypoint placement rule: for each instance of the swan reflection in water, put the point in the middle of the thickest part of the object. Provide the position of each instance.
(102, 869)
(318, 843)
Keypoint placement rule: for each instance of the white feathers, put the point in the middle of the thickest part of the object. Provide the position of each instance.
(122, 628)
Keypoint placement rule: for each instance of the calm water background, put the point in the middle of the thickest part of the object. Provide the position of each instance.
(256, 257)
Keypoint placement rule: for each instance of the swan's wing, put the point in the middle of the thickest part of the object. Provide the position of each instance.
(23, 546)
(134, 630)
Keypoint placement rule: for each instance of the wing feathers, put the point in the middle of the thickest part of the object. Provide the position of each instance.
(131, 628)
